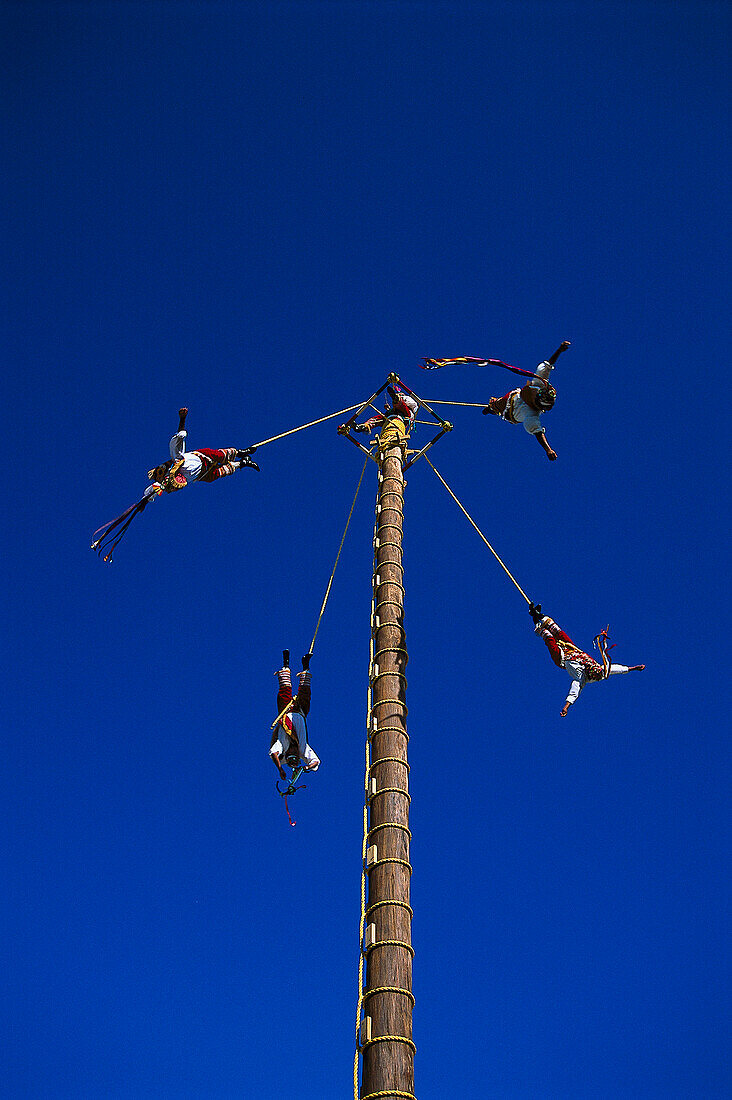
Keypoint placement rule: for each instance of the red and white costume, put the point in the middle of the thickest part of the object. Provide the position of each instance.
(514, 407)
(402, 404)
(582, 668)
(292, 729)
(205, 464)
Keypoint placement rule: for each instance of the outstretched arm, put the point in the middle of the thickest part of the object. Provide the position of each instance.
(369, 424)
(275, 757)
(573, 696)
(562, 347)
(178, 442)
(550, 454)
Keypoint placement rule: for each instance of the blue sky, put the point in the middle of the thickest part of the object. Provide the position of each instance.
(259, 210)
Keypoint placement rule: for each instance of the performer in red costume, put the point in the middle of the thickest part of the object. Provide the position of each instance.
(582, 668)
(290, 737)
(402, 405)
(183, 466)
(205, 464)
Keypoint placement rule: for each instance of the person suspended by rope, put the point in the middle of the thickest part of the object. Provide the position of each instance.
(401, 406)
(289, 741)
(290, 734)
(182, 467)
(205, 464)
(582, 668)
(524, 405)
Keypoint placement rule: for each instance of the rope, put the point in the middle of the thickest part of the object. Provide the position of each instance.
(393, 603)
(391, 943)
(391, 1039)
(475, 525)
(395, 703)
(390, 989)
(365, 403)
(303, 426)
(396, 564)
(389, 729)
(397, 584)
(415, 457)
(390, 859)
(343, 539)
(390, 759)
(377, 905)
(388, 1092)
(283, 712)
(389, 825)
(393, 790)
(383, 729)
(391, 649)
(399, 674)
(463, 404)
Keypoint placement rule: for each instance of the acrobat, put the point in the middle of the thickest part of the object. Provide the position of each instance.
(526, 404)
(204, 464)
(402, 405)
(582, 668)
(290, 736)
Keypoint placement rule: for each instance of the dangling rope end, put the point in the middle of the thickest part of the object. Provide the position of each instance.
(291, 789)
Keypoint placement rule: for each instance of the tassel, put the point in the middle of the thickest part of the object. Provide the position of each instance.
(435, 364)
(601, 644)
(106, 538)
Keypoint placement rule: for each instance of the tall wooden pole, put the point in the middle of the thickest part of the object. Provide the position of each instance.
(386, 1033)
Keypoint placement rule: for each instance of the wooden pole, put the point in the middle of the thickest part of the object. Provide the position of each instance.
(386, 1033)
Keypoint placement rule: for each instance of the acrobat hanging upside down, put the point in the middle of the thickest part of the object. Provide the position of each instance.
(290, 736)
(583, 668)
